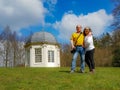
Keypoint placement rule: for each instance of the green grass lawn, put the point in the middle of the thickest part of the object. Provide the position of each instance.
(105, 78)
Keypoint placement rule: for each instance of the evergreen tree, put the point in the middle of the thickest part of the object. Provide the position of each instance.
(116, 34)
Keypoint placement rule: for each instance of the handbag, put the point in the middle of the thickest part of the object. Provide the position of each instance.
(73, 50)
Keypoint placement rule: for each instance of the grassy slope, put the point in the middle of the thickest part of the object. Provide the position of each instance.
(59, 79)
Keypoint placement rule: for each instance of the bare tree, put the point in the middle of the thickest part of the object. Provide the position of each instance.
(5, 39)
(116, 14)
(13, 52)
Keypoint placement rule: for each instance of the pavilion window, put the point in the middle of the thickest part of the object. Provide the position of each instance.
(38, 55)
(50, 56)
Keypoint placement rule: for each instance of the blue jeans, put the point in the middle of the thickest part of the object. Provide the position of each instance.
(81, 51)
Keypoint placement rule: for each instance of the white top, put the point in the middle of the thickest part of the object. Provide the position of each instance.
(89, 45)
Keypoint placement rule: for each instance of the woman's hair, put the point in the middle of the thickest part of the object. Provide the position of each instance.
(85, 29)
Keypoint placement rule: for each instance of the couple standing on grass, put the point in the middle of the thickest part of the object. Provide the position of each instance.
(82, 43)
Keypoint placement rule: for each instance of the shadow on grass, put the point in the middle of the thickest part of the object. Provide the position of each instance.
(65, 71)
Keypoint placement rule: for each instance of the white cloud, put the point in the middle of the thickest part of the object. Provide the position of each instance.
(50, 5)
(98, 21)
(21, 13)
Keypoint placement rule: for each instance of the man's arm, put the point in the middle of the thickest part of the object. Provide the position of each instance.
(72, 45)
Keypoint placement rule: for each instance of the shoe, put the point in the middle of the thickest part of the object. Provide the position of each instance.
(81, 71)
(72, 71)
(92, 71)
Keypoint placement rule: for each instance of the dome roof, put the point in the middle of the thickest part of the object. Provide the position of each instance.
(43, 37)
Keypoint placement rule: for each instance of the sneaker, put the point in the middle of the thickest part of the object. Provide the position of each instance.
(72, 71)
(81, 71)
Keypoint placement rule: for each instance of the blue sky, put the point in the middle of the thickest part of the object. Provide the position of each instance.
(59, 17)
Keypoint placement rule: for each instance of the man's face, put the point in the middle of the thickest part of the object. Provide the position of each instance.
(78, 28)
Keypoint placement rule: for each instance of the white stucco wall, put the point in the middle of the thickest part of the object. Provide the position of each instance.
(44, 63)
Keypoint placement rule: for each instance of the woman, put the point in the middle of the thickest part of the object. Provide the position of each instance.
(89, 49)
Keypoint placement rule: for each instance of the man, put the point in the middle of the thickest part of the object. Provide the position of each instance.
(77, 43)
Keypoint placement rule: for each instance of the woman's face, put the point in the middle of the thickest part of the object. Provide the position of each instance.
(87, 31)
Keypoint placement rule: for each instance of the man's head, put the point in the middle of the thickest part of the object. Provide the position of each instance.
(78, 28)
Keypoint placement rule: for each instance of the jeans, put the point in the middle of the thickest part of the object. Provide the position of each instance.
(81, 51)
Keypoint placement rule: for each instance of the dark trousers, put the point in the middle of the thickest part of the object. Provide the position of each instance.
(89, 59)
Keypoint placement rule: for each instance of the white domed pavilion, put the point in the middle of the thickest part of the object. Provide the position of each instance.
(42, 50)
